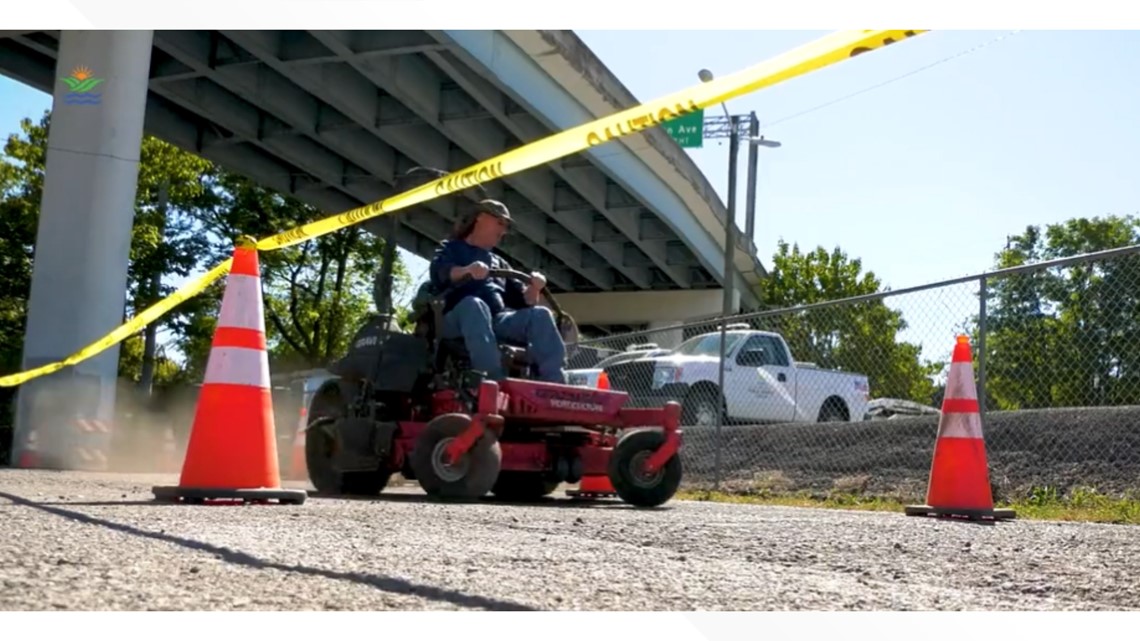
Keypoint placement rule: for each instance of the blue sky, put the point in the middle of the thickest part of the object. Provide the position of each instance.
(922, 178)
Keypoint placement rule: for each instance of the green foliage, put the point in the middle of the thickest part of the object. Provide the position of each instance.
(854, 337)
(1066, 336)
(317, 293)
(21, 186)
(1040, 504)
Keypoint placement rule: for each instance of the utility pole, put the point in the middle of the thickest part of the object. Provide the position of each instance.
(753, 161)
(729, 127)
(729, 254)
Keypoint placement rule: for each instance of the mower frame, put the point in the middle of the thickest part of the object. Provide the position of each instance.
(402, 403)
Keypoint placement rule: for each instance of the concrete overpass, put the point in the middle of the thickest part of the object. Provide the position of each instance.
(331, 117)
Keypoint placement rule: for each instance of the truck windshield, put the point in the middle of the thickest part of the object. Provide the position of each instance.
(707, 345)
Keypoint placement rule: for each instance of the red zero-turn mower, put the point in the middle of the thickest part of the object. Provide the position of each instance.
(409, 403)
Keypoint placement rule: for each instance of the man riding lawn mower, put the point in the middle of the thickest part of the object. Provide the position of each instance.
(474, 399)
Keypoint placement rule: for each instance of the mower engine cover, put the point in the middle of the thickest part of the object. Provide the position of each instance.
(393, 361)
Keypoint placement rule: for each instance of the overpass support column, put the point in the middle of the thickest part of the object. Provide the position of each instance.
(82, 247)
(667, 334)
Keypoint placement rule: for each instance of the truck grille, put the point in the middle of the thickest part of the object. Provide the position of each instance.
(634, 377)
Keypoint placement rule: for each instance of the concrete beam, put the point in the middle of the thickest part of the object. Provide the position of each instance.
(352, 95)
(535, 73)
(300, 48)
(418, 87)
(415, 233)
(27, 65)
(293, 110)
(218, 104)
(586, 180)
(632, 308)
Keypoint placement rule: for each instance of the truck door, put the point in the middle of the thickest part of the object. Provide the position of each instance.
(763, 381)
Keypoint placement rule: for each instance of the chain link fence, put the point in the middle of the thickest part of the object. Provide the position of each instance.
(844, 396)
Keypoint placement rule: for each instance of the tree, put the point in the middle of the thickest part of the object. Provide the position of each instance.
(855, 337)
(318, 293)
(21, 186)
(1066, 336)
(175, 189)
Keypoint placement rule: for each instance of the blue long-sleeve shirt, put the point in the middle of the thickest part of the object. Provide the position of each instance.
(500, 294)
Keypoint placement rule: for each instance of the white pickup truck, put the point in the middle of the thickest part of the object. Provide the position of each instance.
(762, 384)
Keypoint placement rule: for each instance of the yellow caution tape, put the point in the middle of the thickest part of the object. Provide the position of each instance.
(136, 324)
(797, 62)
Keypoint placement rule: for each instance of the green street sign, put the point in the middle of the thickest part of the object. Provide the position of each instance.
(687, 130)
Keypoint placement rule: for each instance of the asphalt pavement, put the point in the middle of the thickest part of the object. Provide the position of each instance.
(85, 541)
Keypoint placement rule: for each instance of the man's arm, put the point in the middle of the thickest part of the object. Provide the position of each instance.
(451, 263)
(442, 264)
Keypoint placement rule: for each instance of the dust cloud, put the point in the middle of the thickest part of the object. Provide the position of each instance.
(143, 433)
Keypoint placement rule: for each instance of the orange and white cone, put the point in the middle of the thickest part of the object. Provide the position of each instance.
(232, 450)
(959, 474)
(94, 437)
(593, 486)
(30, 455)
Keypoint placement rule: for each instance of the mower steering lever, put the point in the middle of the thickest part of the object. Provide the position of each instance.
(508, 273)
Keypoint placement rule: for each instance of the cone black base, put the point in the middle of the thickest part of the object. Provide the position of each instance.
(579, 494)
(197, 495)
(996, 514)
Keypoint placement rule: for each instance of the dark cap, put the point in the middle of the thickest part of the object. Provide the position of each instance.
(493, 207)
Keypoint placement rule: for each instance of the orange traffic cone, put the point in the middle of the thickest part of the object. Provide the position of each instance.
(959, 474)
(593, 486)
(232, 450)
(30, 456)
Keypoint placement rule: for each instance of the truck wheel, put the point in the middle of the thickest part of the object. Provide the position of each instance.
(832, 412)
(631, 482)
(522, 486)
(471, 476)
(701, 407)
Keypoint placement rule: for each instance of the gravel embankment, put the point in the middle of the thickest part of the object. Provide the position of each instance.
(96, 541)
(1098, 448)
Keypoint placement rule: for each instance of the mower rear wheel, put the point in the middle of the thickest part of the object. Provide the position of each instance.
(628, 476)
(523, 486)
(320, 450)
(472, 476)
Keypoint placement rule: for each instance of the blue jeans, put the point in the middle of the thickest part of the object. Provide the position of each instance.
(534, 327)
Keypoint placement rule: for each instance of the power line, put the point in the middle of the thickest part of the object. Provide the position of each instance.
(895, 79)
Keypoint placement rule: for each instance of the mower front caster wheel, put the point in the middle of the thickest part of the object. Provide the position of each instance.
(472, 476)
(629, 478)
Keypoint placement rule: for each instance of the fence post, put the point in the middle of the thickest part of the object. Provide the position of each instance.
(719, 414)
(982, 296)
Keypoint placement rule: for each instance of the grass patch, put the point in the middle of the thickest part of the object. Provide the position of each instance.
(1038, 504)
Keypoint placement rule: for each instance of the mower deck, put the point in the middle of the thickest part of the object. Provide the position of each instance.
(542, 434)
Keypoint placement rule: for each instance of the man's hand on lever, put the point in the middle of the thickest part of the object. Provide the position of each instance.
(477, 270)
(534, 290)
